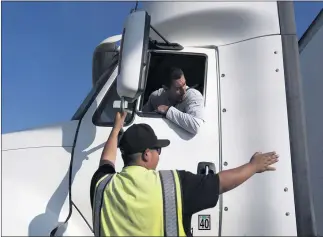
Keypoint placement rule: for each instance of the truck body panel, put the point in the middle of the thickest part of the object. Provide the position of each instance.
(201, 23)
(56, 135)
(35, 190)
(35, 170)
(253, 94)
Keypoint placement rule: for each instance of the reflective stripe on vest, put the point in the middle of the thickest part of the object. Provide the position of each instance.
(169, 193)
(98, 198)
(170, 201)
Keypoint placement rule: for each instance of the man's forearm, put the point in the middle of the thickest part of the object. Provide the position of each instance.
(230, 179)
(109, 153)
(184, 120)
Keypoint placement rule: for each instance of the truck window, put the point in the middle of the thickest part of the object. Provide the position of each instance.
(104, 116)
(104, 63)
(193, 66)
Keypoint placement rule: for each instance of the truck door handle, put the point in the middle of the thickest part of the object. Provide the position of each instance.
(206, 168)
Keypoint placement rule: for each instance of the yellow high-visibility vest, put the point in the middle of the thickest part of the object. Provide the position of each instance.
(138, 202)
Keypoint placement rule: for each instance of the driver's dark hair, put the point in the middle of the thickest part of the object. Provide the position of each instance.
(175, 73)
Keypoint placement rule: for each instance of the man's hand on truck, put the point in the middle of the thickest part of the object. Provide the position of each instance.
(259, 162)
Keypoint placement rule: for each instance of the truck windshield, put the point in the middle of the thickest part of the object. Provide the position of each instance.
(102, 61)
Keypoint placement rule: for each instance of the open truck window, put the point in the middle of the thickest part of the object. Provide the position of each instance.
(193, 65)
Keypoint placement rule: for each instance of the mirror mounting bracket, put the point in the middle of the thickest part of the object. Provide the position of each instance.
(167, 45)
(122, 104)
(154, 44)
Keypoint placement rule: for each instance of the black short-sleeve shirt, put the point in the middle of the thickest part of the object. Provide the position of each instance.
(199, 192)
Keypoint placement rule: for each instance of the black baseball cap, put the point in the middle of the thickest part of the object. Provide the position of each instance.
(139, 137)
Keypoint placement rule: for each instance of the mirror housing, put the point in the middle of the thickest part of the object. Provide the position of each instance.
(131, 79)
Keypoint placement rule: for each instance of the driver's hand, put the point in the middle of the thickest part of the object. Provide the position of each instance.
(162, 109)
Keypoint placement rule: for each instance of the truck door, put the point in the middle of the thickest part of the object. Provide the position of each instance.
(195, 153)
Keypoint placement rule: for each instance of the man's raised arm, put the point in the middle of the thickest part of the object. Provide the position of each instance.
(230, 179)
(109, 153)
(204, 190)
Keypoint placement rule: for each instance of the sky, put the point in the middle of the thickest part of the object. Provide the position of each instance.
(47, 52)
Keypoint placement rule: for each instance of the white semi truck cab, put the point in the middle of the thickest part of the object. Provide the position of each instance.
(242, 57)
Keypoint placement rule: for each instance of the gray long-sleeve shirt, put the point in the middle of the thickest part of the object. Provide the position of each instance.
(189, 114)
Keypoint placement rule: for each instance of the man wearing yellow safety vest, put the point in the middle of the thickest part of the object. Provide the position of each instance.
(140, 201)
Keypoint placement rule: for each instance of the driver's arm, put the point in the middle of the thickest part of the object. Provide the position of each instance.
(193, 118)
(150, 105)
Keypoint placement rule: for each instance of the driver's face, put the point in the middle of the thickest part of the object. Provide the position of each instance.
(178, 89)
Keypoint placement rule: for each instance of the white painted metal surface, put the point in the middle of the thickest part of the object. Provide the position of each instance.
(35, 179)
(311, 59)
(57, 135)
(213, 23)
(253, 94)
(34, 185)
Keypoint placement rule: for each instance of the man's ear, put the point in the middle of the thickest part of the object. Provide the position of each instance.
(144, 155)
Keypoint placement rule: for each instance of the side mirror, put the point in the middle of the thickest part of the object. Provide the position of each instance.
(131, 79)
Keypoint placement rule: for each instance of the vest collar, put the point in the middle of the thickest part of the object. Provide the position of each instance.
(132, 168)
